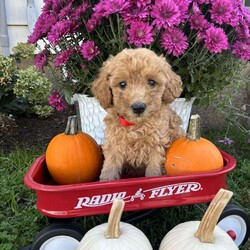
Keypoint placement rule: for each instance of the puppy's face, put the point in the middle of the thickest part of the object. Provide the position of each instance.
(135, 83)
(137, 92)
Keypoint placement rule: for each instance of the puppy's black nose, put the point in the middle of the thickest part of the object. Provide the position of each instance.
(138, 107)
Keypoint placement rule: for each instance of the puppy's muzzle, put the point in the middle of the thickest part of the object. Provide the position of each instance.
(138, 107)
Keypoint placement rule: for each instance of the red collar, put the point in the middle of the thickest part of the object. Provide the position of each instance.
(125, 123)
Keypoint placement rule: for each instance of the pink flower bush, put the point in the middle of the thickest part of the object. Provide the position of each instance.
(40, 60)
(165, 14)
(215, 40)
(174, 41)
(62, 57)
(204, 40)
(242, 50)
(89, 50)
(221, 11)
(56, 101)
(140, 33)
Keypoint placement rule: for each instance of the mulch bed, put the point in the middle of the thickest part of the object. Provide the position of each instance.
(34, 132)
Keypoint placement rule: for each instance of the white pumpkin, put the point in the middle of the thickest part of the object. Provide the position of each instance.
(115, 234)
(204, 234)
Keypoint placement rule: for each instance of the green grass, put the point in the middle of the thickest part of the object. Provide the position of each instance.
(20, 221)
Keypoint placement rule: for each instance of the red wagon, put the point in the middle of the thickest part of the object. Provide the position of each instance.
(76, 200)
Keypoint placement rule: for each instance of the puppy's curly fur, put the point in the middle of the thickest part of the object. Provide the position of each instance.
(137, 85)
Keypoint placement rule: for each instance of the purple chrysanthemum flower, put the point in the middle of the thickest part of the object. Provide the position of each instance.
(45, 22)
(195, 8)
(174, 41)
(93, 22)
(166, 14)
(183, 8)
(242, 50)
(43, 25)
(235, 18)
(62, 57)
(244, 12)
(221, 11)
(60, 29)
(117, 6)
(226, 141)
(135, 13)
(35, 36)
(243, 31)
(76, 13)
(89, 50)
(56, 6)
(215, 40)
(140, 33)
(108, 7)
(40, 60)
(47, 5)
(100, 10)
(64, 12)
(55, 101)
(203, 1)
(198, 22)
(141, 3)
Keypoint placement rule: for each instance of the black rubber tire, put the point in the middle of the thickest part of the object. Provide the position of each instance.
(231, 210)
(68, 229)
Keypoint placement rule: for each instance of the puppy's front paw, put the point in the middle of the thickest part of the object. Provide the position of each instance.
(109, 175)
(153, 171)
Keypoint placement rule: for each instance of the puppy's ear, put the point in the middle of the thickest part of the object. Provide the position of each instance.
(100, 87)
(173, 84)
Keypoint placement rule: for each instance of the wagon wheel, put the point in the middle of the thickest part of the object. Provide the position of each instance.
(61, 236)
(235, 221)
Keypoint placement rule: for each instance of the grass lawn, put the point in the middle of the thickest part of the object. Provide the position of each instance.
(20, 221)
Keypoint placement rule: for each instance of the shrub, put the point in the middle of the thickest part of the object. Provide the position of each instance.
(8, 76)
(23, 50)
(35, 87)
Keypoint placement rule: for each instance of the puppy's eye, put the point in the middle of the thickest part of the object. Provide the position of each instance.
(122, 85)
(151, 83)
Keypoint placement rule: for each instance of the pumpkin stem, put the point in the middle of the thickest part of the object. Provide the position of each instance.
(113, 230)
(211, 216)
(71, 128)
(194, 133)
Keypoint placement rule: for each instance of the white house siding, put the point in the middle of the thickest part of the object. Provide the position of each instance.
(17, 33)
(21, 17)
(17, 23)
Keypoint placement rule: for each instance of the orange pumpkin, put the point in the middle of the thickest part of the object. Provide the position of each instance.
(73, 157)
(193, 154)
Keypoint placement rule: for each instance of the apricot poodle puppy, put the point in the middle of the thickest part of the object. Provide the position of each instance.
(136, 88)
